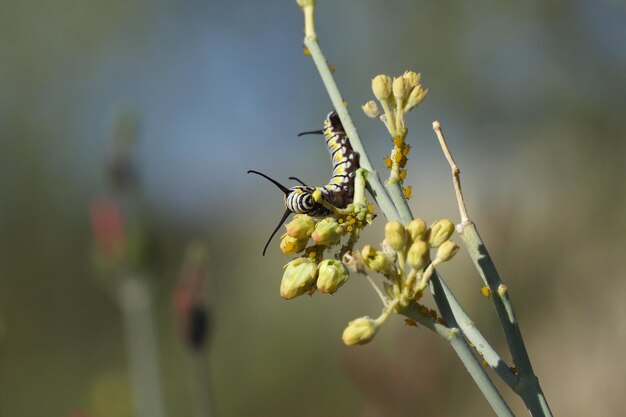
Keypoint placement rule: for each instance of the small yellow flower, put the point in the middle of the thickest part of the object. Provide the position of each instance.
(417, 229)
(396, 235)
(359, 331)
(400, 89)
(298, 278)
(418, 255)
(439, 232)
(371, 109)
(381, 86)
(291, 245)
(446, 251)
(301, 226)
(327, 232)
(332, 274)
(412, 78)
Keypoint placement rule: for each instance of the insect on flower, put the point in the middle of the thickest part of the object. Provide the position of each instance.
(339, 191)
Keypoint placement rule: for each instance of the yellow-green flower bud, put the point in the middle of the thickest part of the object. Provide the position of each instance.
(332, 274)
(418, 253)
(446, 251)
(417, 229)
(400, 89)
(439, 232)
(299, 277)
(301, 226)
(326, 232)
(396, 235)
(381, 86)
(412, 78)
(291, 245)
(416, 96)
(371, 109)
(377, 261)
(359, 331)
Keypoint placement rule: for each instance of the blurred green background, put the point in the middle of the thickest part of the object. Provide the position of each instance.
(531, 95)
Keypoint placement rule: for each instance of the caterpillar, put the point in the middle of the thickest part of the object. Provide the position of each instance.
(339, 191)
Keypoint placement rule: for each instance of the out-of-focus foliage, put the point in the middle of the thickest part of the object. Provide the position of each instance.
(532, 97)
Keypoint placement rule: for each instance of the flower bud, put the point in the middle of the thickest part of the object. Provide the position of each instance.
(332, 274)
(417, 229)
(299, 277)
(400, 89)
(439, 232)
(417, 256)
(290, 245)
(446, 251)
(371, 109)
(301, 226)
(396, 235)
(377, 261)
(359, 331)
(326, 232)
(416, 96)
(412, 78)
(381, 86)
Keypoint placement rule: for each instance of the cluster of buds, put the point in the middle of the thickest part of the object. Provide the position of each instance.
(397, 96)
(406, 263)
(325, 233)
(312, 272)
(306, 275)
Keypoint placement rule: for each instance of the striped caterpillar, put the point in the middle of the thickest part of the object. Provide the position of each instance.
(339, 191)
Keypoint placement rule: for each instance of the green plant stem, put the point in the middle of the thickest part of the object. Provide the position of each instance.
(528, 384)
(397, 196)
(455, 337)
(469, 329)
(377, 189)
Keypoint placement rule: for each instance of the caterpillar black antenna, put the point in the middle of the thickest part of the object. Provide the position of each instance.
(299, 180)
(280, 223)
(312, 132)
(279, 185)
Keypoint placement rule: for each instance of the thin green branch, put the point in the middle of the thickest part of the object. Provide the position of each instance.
(455, 337)
(469, 329)
(397, 196)
(527, 385)
(377, 188)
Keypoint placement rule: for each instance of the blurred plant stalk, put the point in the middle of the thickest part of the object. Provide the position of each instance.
(135, 302)
(120, 255)
(189, 302)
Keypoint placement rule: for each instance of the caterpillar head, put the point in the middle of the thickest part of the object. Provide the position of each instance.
(298, 199)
